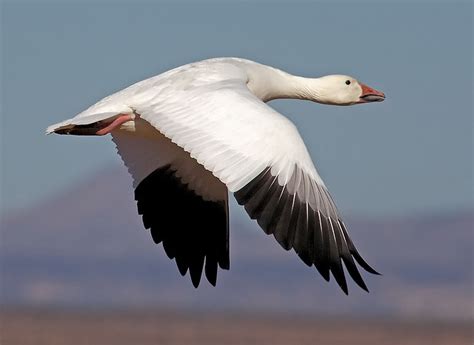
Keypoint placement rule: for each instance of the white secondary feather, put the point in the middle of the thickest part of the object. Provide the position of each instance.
(143, 154)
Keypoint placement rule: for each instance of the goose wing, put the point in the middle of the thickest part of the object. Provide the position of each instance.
(259, 155)
(182, 204)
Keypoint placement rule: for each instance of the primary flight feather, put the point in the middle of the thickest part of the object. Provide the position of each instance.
(190, 135)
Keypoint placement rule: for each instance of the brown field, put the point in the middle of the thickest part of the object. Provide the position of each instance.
(54, 327)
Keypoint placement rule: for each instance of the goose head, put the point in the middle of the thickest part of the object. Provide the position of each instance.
(345, 90)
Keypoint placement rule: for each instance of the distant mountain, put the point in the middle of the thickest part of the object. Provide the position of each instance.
(87, 247)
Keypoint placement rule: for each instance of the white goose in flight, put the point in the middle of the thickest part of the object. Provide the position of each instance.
(191, 134)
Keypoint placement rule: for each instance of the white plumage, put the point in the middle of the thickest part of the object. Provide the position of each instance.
(208, 125)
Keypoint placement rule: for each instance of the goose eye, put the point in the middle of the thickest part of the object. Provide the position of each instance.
(348, 82)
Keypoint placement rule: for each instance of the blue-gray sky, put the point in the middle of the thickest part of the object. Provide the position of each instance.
(411, 153)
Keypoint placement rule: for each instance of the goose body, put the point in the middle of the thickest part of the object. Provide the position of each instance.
(191, 134)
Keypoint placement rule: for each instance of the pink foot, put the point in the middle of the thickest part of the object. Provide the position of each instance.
(116, 123)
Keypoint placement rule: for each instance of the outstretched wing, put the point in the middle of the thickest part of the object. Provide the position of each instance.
(260, 156)
(184, 205)
(207, 110)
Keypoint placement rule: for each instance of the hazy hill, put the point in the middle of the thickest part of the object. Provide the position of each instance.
(87, 247)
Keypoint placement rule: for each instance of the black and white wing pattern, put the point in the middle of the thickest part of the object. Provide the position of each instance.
(311, 226)
(182, 204)
(259, 155)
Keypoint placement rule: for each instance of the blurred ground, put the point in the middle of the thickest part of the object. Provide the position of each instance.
(54, 327)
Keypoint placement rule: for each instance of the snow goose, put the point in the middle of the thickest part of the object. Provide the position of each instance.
(191, 134)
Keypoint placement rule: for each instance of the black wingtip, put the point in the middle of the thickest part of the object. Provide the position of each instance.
(324, 272)
(210, 270)
(354, 272)
(364, 264)
(355, 253)
(348, 260)
(340, 279)
(161, 197)
(362, 285)
(195, 282)
(196, 272)
(169, 250)
(182, 267)
(225, 264)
